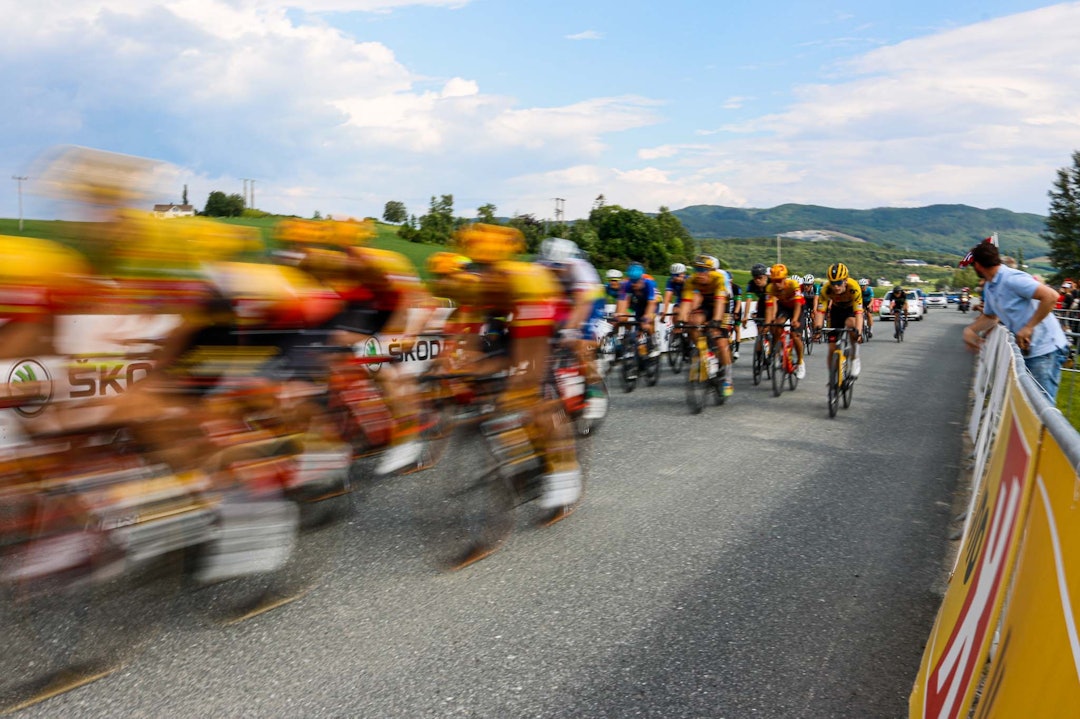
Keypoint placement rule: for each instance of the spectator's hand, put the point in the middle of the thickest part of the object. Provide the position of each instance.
(1023, 338)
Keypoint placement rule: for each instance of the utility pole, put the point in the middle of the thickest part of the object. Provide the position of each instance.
(560, 203)
(778, 249)
(19, 179)
(249, 192)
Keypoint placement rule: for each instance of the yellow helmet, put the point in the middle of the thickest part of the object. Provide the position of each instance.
(331, 233)
(490, 243)
(778, 272)
(446, 263)
(95, 177)
(837, 272)
(707, 262)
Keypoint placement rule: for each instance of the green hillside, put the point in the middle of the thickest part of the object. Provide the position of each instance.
(862, 258)
(950, 229)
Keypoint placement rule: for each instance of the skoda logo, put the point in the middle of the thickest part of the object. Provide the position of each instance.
(371, 348)
(27, 371)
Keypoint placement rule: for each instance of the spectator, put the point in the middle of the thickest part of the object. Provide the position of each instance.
(1025, 306)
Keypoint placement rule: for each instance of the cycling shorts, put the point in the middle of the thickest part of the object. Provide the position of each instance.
(838, 315)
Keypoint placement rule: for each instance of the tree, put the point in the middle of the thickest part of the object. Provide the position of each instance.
(395, 212)
(316, 215)
(531, 228)
(1063, 223)
(184, 196)
(486, 213)
(218, 204)
(437, 226)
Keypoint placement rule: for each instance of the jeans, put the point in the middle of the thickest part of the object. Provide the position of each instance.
(1046, 369)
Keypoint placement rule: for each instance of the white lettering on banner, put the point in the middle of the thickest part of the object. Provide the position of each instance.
(947, 684)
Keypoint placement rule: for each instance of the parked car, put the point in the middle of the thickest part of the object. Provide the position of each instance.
(937, 299)
(914, 311)
(953, 298)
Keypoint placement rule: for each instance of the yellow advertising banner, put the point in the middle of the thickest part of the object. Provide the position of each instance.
(1036, 669)
(956, 651)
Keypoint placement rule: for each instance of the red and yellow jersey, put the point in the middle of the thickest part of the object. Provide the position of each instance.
(851, 296)
(786, 293)
(711, 286)
(529, 294)
(389, 276)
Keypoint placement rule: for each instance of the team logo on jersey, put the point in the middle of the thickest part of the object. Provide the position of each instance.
(371, 348)
(25, 372)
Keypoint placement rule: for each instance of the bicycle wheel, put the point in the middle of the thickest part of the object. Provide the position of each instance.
(676, 354)
(759, 360)
(652, 369)
(697, 381)
(472, 511)
(792, 366)
(777, 367)
(834, 383)
(628, 365)
(849, 387)
(808, 339)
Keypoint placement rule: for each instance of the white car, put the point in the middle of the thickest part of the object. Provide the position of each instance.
(938, 300)
(914, 309)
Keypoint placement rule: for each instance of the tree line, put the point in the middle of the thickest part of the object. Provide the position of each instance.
(611, 236)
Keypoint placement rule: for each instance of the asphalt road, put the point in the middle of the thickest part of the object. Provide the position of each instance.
(757, 560)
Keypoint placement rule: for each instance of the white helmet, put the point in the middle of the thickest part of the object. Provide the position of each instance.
(808, 280)
(797, 278)
(864, 282)
(556, 249)
(614, 274)
(678, 268)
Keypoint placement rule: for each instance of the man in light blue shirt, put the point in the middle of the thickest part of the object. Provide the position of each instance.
(1025, 306)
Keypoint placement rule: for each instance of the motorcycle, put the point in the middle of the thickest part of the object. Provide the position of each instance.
(964, 305)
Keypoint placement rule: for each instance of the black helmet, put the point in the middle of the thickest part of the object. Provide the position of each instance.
(759, 270)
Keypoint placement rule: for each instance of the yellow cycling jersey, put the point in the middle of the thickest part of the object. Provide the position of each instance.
(710, 285)
(850, 296)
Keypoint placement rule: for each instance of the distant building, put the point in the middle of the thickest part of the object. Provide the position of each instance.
(882, 282)
(913, 263)
(913, 279)
(171, 210)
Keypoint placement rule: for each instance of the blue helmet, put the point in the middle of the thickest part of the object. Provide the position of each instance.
(635, 271)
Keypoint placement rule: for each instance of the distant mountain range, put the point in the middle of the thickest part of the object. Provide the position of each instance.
(942, 228)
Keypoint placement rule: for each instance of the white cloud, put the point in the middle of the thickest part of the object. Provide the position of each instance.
(586, 35)
(982, 114)
(227, 89)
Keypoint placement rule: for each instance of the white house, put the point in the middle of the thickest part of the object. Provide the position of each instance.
(913, 279)
(172, 210)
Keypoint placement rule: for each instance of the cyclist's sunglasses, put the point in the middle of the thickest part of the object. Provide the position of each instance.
(701, 269)
(837, 284)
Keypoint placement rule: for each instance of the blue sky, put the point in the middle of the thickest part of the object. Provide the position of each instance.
(341, 105)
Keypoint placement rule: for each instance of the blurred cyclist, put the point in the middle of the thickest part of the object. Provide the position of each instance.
(704, 303)
(784, 302)
(637, 296)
